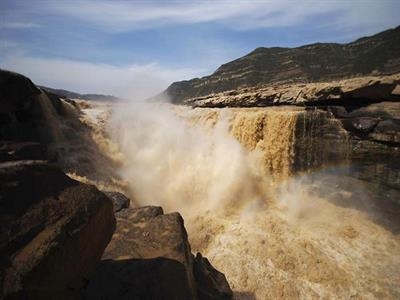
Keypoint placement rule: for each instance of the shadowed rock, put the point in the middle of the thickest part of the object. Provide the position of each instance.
(53, 231)
(153, 248)
(387, 131)
(146, 233)
(211, 284)
(11, 151)
(157, 278)
(16, 92)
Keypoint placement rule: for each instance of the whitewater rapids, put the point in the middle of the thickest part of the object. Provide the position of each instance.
(276, 230)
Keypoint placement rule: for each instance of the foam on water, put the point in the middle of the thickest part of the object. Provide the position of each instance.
(274, 232)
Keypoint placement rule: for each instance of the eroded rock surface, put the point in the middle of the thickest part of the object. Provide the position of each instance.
(350, 92)
(54, 230)
(149, 257)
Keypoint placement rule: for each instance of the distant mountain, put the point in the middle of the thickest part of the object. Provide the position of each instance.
(376, 55)
(74, 95)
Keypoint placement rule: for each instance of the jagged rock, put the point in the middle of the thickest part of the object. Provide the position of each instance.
(211, 284)
(148, 258)
(119, 200)
(54, 230)
(146, 233)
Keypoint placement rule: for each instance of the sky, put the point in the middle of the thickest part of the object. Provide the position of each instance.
(135, 49)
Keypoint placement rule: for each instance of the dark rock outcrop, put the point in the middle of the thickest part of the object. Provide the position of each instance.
(365, 139)
(387, 131)
(53, 231)
(149, 257)
(16, 92)
(119, 200)
(28, 114)
(21, 117)
(378, 54)
(363, 124)
(35, 124)
(127, 279)
(211, 284)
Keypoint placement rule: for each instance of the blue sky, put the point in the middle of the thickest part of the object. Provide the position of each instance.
(136, 49)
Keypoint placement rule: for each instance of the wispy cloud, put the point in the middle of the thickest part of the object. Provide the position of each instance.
(135, 82)
(17, 25)
(203, 34)
(240, 15)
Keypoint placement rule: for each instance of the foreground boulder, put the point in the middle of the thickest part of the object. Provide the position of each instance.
(54, 231)
(149, 257)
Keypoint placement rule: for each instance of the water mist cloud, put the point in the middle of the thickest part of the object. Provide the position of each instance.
(269, 241)
(168, 162)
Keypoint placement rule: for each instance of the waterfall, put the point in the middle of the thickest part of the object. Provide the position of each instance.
(256, 199)
(288, 139)
(320, 141)
(52, 130)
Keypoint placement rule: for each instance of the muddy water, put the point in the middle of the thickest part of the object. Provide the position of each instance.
(267, 194)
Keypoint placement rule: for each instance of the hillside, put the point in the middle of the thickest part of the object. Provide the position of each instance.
(375, 55)
(74, 95)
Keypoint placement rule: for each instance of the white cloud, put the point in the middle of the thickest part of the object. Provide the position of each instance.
(17, 25)
(134, 82)
(132, 15)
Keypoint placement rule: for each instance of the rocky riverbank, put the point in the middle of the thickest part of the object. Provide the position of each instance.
(55, 229)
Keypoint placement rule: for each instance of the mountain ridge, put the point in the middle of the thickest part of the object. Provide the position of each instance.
(378, 54)
(74, 95)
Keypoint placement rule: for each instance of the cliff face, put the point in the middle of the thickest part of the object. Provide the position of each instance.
(378, 54)
(54, 229)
